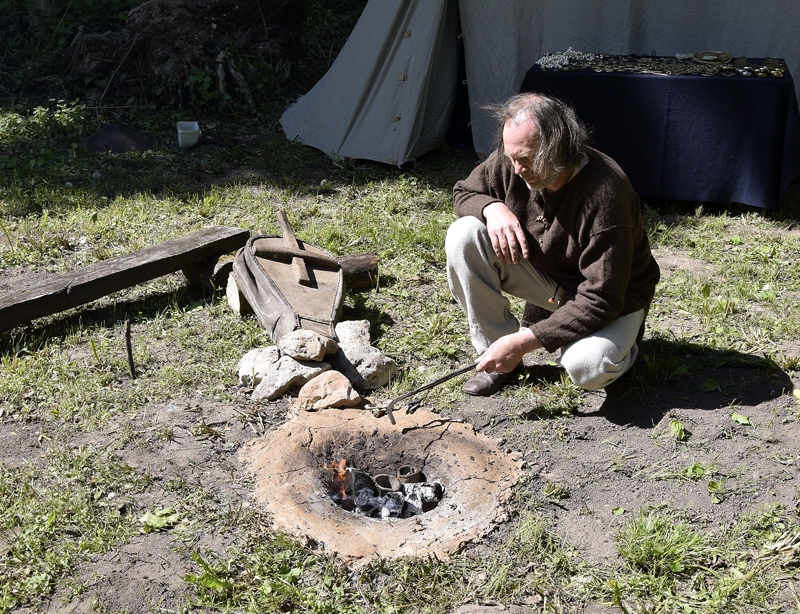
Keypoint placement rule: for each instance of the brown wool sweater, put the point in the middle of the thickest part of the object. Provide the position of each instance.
(588, 236)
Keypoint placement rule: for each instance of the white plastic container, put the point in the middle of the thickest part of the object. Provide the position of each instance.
(188, 133)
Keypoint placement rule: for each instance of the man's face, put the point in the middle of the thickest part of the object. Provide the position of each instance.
(520, 146)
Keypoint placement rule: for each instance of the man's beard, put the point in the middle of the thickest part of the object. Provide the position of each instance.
(544, 178)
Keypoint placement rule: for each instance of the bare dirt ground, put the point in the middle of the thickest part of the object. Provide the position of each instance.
(618, 452)
(615, 455)
(147, 572)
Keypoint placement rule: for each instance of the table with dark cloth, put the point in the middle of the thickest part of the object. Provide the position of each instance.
(688, 137)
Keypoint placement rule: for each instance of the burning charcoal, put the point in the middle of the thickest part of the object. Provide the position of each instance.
(413, 496)
(422, 497)
(357, 491)
(392, 505)
(431, 492)
(367, 502)
(413, 506)
(336, 480)
(423, 491)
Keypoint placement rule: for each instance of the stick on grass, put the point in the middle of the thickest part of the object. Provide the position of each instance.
(129, 349)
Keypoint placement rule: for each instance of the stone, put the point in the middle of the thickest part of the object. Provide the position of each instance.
(365, 366)
(353, 331)
(255, 363)
(285, 374)
(236, 300)
(328, 390)
(306, 345)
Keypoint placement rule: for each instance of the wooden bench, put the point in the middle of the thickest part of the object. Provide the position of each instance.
(195, 255)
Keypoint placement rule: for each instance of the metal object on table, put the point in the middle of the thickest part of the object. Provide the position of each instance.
(427, 386)
(712, 57)
(702, 63)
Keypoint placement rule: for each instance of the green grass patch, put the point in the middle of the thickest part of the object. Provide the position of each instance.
(57, 515)
(672, 565)
(277, 574)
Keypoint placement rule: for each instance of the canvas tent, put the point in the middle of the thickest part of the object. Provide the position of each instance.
(389, 95)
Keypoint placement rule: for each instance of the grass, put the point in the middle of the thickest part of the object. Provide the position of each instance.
(57, 515)
(745, 295)
(68, 376)
(279, 575)
(672, 566)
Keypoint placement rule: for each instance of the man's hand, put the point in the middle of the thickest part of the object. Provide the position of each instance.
(508, 238)
(507, 352)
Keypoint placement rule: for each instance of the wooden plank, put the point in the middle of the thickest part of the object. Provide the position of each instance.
(289, 254)
(67, 290)
(298, 263)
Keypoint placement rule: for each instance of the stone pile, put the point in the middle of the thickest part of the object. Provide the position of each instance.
(325, 373)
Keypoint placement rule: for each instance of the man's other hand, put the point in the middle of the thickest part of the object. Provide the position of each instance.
(508, 238)
(507, 352)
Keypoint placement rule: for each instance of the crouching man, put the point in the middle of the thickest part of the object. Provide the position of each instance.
(554, 222)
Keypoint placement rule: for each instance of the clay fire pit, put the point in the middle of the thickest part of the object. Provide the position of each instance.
(290, 466)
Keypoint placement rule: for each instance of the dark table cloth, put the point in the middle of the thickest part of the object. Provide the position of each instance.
(688, 137)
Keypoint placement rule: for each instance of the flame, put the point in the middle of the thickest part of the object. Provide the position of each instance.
(339, 474)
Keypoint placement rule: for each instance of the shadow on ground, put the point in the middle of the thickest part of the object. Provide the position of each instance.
(705, 378)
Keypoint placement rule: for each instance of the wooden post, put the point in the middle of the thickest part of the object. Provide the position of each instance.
(360, 271)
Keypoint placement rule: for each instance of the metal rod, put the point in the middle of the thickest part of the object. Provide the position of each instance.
(427, 386)
(129, 349)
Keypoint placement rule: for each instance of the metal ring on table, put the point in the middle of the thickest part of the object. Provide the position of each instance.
(712, 57)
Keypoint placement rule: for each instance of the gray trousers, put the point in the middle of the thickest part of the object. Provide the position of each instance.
(478, 279)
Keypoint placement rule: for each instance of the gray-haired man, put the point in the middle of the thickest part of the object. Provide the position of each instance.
(554, 222)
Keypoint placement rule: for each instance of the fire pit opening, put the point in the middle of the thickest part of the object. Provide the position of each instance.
(404, 494)
(360, 486)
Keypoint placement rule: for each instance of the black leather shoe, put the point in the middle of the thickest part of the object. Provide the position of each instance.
(486, 384)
